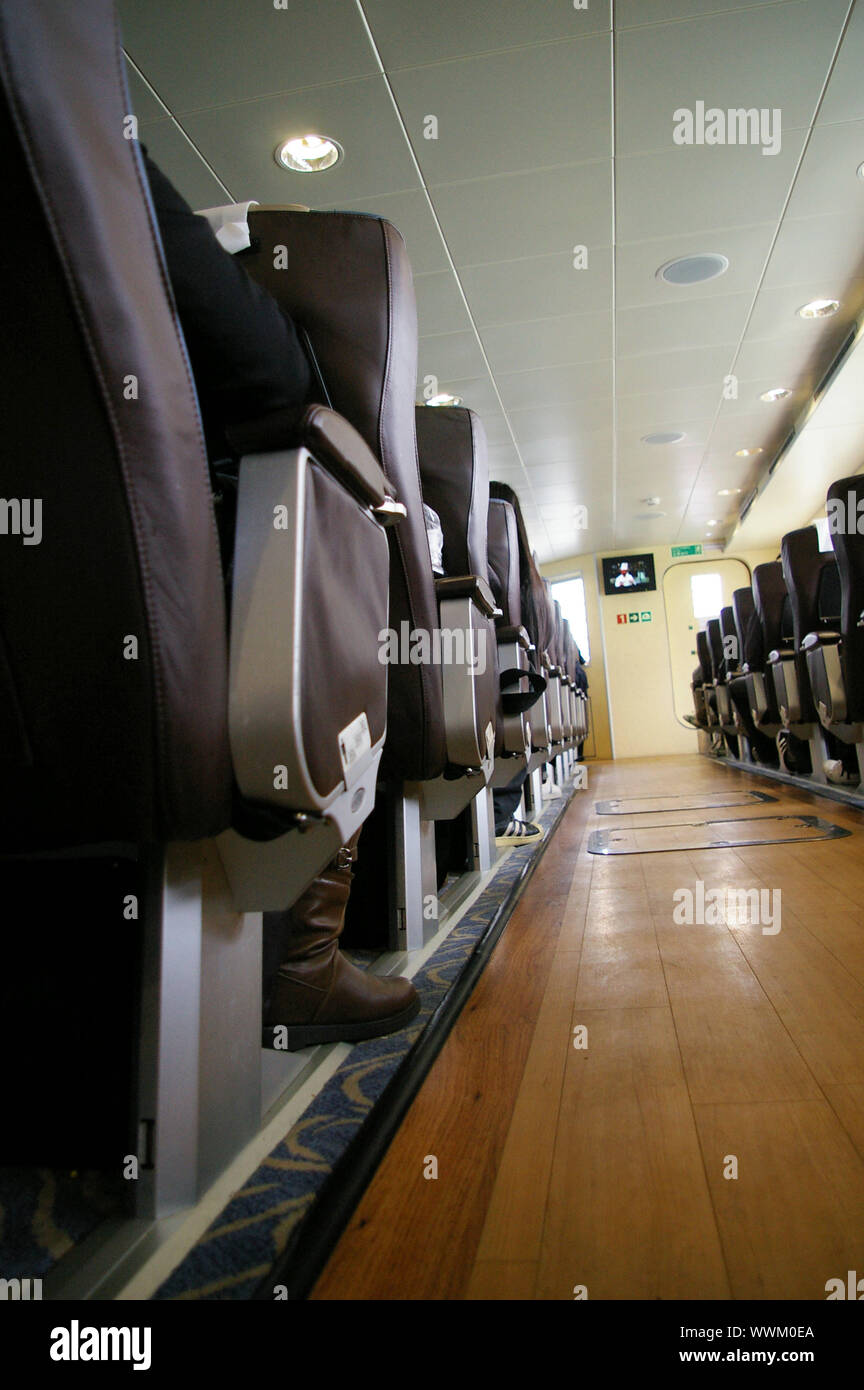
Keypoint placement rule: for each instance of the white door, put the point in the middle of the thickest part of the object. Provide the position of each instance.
(693, 592)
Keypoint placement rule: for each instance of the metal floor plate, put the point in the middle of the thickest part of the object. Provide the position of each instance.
(713, 834)
(685, 801)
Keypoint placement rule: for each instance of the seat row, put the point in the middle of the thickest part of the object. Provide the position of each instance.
(780, 680)
(228, 751)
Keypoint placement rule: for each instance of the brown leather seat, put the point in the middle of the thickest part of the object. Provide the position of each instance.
(113, 655)
(121, 733)
(346, 280)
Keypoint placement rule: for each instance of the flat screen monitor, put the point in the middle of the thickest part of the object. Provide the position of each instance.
(628, 574)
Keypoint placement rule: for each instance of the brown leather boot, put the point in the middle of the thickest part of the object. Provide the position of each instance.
(320, 997)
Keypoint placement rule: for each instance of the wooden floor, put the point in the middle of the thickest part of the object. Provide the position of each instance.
(605, 1167)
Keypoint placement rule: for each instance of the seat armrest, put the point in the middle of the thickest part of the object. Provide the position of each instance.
(334, 443)
(775, 657)
(514, 634)
(469, 586)
(819, 639)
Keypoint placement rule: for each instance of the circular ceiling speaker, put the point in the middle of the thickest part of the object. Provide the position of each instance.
(694, 270)
(664, 437)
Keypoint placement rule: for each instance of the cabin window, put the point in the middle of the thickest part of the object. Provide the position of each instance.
(706, 591)
(570, 593)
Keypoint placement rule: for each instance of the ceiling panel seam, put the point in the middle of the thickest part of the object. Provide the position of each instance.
(497, 52)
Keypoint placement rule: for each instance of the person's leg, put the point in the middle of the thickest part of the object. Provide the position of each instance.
(509, 830)
(506, 800)
(317, 995)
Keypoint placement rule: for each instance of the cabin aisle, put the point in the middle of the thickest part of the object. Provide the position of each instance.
(602, 1166)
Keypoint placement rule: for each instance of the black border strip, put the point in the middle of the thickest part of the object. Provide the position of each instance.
(310, 1246)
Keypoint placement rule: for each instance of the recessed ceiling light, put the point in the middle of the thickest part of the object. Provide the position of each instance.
(728, 491)
(664, 437)
(777, 393)
(650, 501)
(819, 309)
(309, 154)
(444, 399)
(749, 453)
(693, 270)
(712, 523)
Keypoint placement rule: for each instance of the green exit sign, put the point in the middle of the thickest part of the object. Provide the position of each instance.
(678, 550)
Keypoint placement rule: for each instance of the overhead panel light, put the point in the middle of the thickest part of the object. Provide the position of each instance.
(749, 453)
(728, 491)
(693, 270)
(444, 399)
(309, 154)
(664, 437)
(777, 393)
(819, 309)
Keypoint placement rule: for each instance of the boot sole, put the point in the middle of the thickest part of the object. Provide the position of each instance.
(300, 1035)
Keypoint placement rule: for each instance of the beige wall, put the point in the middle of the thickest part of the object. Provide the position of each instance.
(630, 679)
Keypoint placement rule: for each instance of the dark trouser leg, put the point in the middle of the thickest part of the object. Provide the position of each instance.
(506, 800)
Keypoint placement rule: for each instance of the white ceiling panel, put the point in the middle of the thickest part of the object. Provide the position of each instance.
(653, 411)
(735, 432)
(633, 12)
(544, 212)
(503, 456)
(665, 371)
(539, 287)
(691, 189)
(552, 421)
(410, 33)
(179, 161)
(549, 342)
(144, 104)
(488, 117)
(198, 55)
(778, 361)
(440, 307)
(495, 423)
(449, 356)
(682, 324)
(721, 60)
(555, 385)
(545, 457)
(836, 240)
(828, 182)
(844, 100)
